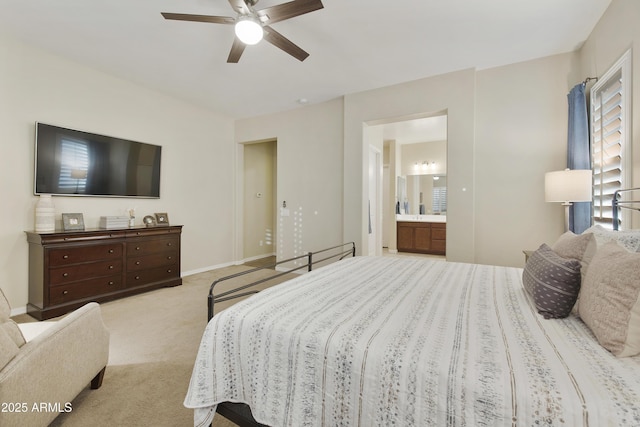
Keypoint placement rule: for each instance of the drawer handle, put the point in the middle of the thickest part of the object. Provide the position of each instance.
(110, 251)
(65, 274)
(169, 271)
(110, 283)
(169, 257)
(65, 292)
(169, 244)
(137, 248)
(137, 277)
(65, 257)
(137, 262)
(111, 267)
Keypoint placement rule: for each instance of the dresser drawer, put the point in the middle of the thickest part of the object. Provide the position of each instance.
(79, 254)
(137, 278)
(150, 246)
(152, 261)
(84, 289)
(73, 273)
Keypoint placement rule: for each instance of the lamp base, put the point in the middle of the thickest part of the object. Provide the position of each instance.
(566, 205)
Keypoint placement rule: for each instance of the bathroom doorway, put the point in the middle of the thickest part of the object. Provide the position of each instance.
(414, 169)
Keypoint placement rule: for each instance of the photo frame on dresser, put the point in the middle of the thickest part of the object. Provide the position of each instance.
(72, 222)
(162, 219)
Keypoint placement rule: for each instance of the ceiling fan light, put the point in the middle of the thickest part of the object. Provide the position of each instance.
(249, 30)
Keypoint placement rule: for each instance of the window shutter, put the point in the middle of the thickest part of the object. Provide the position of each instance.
(608, 138)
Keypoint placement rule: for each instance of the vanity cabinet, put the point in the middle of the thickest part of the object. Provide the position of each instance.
(69, 269)
(422, 237)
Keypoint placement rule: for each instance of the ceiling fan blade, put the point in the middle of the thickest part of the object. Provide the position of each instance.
(280, 41)
(270, 15)
(239, 6)
(199, 18)
(236, 51)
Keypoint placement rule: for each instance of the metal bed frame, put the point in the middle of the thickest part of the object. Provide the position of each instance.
(618, 204)
(240, 413)
(338, 251)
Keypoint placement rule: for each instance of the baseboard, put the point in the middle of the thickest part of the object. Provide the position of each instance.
(253, 258)
(17, 311)
(209, 268)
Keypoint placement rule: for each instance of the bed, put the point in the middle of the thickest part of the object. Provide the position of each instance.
(380, 341)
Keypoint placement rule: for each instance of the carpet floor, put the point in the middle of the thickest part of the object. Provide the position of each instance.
(154, 338)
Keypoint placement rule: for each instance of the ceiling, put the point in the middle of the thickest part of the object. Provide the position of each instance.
(354, 45)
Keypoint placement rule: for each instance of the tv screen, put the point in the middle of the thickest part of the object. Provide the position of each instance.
(75, 163)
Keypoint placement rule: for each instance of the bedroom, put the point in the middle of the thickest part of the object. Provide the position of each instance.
(495, 221)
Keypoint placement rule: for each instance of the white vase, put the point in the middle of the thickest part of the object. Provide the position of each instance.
(45, 214)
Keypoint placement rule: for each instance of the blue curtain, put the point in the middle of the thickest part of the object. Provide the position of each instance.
(578, 153)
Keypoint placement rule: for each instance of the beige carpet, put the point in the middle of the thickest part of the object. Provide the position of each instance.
(154, 341)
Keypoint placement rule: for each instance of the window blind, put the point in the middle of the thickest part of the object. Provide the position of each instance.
(610, 112)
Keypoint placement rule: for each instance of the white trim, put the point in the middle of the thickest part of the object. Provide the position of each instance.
(17, 311)
(209, 268)
(253, 258)
(622, 65)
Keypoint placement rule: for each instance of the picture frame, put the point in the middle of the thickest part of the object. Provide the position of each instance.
(72, 221)
(162, 219)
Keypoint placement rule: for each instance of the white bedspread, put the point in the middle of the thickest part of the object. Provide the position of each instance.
(373, 341)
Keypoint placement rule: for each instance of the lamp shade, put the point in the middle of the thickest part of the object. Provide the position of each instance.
(568, 186)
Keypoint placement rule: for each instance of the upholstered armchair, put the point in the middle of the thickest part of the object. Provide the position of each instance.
(45, 365)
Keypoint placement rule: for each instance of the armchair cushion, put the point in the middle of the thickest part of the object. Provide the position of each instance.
(11, 338)
(8, 347)
(53, 366)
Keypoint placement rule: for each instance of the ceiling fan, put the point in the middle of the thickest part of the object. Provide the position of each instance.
(257, 24)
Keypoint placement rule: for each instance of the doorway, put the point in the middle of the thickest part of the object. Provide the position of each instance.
(414, 150)
(259, 200)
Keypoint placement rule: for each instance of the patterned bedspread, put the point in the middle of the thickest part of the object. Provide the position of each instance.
(380, 341)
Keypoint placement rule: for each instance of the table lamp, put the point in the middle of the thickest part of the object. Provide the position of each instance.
(568, 186)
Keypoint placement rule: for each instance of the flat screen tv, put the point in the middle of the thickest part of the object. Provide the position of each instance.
(74, 163)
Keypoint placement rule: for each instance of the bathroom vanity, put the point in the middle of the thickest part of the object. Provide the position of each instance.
(426, 234)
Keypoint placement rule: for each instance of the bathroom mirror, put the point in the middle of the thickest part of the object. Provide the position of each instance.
(426, 194)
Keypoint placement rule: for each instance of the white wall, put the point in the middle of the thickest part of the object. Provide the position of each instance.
(196, 171)
(452, 93)
(431, 152)
(506, 128)
(521, 133)
(616, 32)
(309, 174)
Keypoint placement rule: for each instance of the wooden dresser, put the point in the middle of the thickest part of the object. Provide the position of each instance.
(69, 269)
(422, 237)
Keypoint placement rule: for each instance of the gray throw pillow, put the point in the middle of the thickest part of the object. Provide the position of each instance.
(552, 281)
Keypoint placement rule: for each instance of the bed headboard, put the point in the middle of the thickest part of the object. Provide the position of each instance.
(618, 204)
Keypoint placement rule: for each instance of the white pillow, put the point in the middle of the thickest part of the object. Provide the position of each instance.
(609, 301)
(628, 239)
